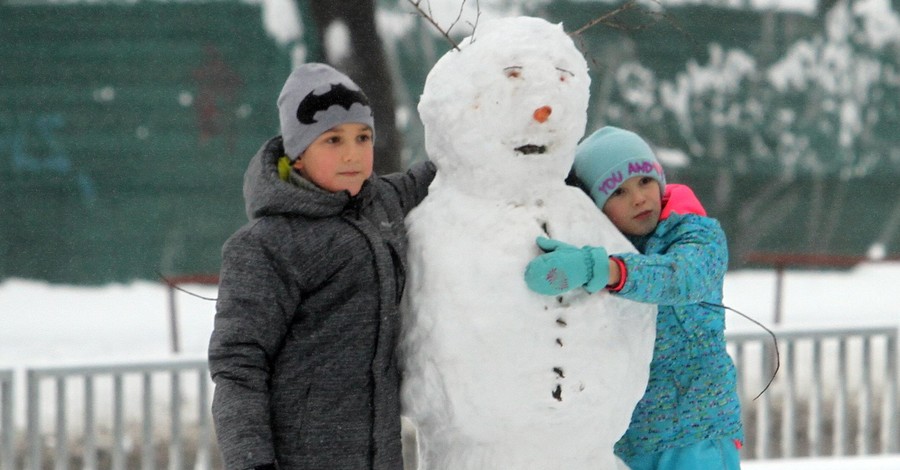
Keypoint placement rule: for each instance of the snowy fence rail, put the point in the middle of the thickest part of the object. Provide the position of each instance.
(835, 393)
(184, 385)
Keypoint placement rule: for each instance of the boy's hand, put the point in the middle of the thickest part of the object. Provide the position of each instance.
(565, 267)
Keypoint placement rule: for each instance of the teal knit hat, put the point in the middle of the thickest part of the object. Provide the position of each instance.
(610, 156)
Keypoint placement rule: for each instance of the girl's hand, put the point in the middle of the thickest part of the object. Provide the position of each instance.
(565, 267)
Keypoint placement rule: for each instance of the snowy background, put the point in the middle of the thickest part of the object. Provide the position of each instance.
(45, 324)
(51, 324)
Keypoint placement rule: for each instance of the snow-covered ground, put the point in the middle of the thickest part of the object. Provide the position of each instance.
(875, 462)
(43, 324)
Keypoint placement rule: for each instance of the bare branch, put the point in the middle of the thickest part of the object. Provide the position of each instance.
(430, 18)
(607, 18)
(462, 5)
(477, 17)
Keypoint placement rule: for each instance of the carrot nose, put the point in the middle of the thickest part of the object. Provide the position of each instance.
(542, 114)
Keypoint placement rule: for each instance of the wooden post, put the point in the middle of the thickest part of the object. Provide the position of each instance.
(172, 283)
(173, 321)
(779, 293)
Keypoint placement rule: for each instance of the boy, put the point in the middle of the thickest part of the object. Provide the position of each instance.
(689, 417)
(302, 353)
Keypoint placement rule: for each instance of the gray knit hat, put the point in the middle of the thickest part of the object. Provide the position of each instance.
(316, 98)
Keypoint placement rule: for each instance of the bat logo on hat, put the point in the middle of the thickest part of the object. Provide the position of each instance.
(338, 95)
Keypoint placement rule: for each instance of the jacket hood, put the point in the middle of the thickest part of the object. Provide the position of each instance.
(680, 199)
(678, 202)
(267, 194)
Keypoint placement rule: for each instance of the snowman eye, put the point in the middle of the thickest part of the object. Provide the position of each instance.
(564, 75)
(513, 72)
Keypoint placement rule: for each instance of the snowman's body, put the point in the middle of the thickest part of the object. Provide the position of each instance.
(497, 376)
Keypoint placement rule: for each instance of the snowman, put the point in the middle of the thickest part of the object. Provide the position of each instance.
(497, 376)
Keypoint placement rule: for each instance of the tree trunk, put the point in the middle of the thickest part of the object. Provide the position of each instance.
(367, 65)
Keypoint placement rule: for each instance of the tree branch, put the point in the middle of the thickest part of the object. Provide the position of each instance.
(607, 18)
(610, 19)
(430, 18)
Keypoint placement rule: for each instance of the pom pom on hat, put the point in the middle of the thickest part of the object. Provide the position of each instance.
(609, 157)
(315, 98)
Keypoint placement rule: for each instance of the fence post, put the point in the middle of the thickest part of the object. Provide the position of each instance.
(90, 439)
(815, 404)
(779, 293)
(7, 430)
(890, 435)
(148, 452)
(172, 283)
(118, 428)
(789, 413)
(865, 400)
(175, 442)
(34, 420)
(62, 438)
(762, 409)
(204, 459)
(173, 321)
(840, 403)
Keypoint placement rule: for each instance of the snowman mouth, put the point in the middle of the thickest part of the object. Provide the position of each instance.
(531, 149)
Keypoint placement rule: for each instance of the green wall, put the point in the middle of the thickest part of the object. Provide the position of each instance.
(125, 128)
(124, 133)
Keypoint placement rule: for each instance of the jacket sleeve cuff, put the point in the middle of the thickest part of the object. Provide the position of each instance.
(623, 275)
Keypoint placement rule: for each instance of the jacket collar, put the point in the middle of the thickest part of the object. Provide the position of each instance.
(267, 194)
(680, 199)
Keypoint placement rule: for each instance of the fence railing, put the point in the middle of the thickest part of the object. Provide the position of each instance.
(834, 394)
(179, 384)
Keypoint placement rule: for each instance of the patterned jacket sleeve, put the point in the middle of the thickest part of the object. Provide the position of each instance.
(686, 260)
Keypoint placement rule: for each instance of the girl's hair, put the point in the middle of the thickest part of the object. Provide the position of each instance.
(572, 180)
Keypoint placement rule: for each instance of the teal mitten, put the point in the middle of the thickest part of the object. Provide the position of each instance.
(565, 267)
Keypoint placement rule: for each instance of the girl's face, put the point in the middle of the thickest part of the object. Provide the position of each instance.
(340, 159)
(635, 206)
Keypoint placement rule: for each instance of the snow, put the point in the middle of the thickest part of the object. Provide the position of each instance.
(337, 42)
(874, 462)
(282, 20)
(45, 324)
(861, 296)
(50, 324)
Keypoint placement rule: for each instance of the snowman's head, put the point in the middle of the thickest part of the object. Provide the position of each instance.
(504, 113)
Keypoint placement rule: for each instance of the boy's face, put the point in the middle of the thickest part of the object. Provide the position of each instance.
(635, 206)
(340, 159)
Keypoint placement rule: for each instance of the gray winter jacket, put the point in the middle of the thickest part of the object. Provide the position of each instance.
(302, 352)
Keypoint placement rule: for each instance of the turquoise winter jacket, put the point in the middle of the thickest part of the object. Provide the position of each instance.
(691, 395)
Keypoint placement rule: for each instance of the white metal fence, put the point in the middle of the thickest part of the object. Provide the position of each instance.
(836, 393)
(141, 415)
